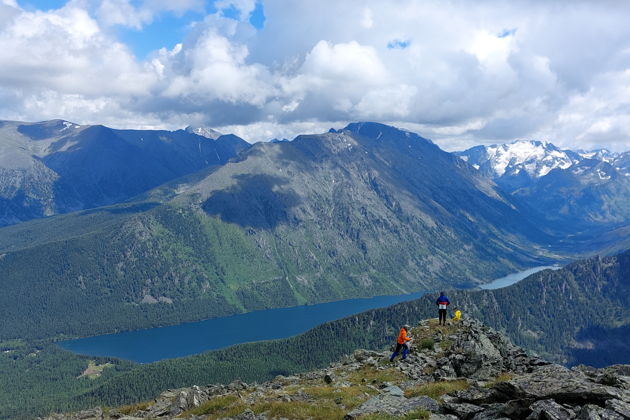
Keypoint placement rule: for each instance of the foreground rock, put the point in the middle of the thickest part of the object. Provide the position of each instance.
(462, 371)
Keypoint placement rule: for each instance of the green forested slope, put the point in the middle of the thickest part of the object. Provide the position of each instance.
(367, 211)
(586, 295)
(545, 312)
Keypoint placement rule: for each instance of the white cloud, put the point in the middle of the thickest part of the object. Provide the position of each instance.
(245, 7)
(367, 20)
(121, 12)
(212, 68)
(344, 62)
(469, 72)
(126, 13)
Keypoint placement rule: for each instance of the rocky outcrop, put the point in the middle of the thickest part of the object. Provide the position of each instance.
(461, 371)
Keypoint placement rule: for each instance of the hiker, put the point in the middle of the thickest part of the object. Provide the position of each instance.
(401, 343)
(442, 303)
(458, 315)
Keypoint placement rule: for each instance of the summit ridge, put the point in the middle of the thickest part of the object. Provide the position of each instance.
(464, 370)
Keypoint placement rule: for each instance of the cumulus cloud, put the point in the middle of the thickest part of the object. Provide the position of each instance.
(127, 13)
(460, 72)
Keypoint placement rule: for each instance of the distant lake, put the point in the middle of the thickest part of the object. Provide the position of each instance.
(150, 345)
(510, 279)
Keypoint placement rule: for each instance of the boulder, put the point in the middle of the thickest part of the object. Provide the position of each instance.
(594, 412)
(619, 407)
(394, 391)
(549, 410)
(476, 395)
(246, 415)
(93, 414)
(560, 384)
(491, 411)
(393, 406)
(462, 410)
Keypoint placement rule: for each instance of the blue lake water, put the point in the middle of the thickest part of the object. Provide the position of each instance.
(150, 345)
(510, 279)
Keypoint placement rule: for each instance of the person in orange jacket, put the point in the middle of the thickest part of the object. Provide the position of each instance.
(402, 343)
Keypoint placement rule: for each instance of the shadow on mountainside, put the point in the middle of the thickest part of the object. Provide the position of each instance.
(256, 201)
(606, 346)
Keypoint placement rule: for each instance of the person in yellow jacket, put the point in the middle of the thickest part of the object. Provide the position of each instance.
(402, 343)
(458, 315)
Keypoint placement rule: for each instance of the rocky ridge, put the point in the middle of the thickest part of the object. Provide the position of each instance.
(462, 371)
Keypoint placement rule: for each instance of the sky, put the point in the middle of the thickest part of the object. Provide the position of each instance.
(458, 72)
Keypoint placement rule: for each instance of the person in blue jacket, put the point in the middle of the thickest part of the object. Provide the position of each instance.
(442, 303)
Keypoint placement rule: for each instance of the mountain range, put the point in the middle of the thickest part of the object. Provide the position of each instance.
(144, 228)
(357, 212)
(58, 167)
(576, 188)
(362, 211)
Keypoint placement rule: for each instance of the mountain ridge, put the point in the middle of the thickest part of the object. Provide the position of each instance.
(324, 217)
(461, 371)
(56, 166)
(572, 188)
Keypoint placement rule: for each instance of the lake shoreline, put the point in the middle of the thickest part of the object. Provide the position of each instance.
(190, 338)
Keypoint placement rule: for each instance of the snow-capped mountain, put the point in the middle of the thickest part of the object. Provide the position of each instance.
(604, 155)
(531, 157)
(583, 184)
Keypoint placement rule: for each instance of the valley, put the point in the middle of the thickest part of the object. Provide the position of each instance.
(359, 212)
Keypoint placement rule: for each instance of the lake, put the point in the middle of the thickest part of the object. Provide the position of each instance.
(510, 279)
(150, 345)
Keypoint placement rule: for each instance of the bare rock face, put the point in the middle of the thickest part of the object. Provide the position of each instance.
(461, 371)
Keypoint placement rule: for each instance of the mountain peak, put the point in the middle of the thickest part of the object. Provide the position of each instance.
(535, 158)
(206, 132)
(375, 130)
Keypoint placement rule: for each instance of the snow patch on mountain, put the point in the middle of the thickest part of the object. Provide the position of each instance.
(604, 155)
(535, 158)
(206, 132)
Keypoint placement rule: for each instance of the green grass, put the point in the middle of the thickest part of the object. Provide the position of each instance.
(413, 415)
(217, 407)
(368, 374)
(347, 397)
(502, 377)
(134, 408)
(427, 343)
(446, 344)
(436, 390)
(298, 410)
(94, 370)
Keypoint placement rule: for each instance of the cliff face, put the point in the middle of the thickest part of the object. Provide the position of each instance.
(462, 371)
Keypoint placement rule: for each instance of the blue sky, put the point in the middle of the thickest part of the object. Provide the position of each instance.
(166, 29)
(459, 72)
